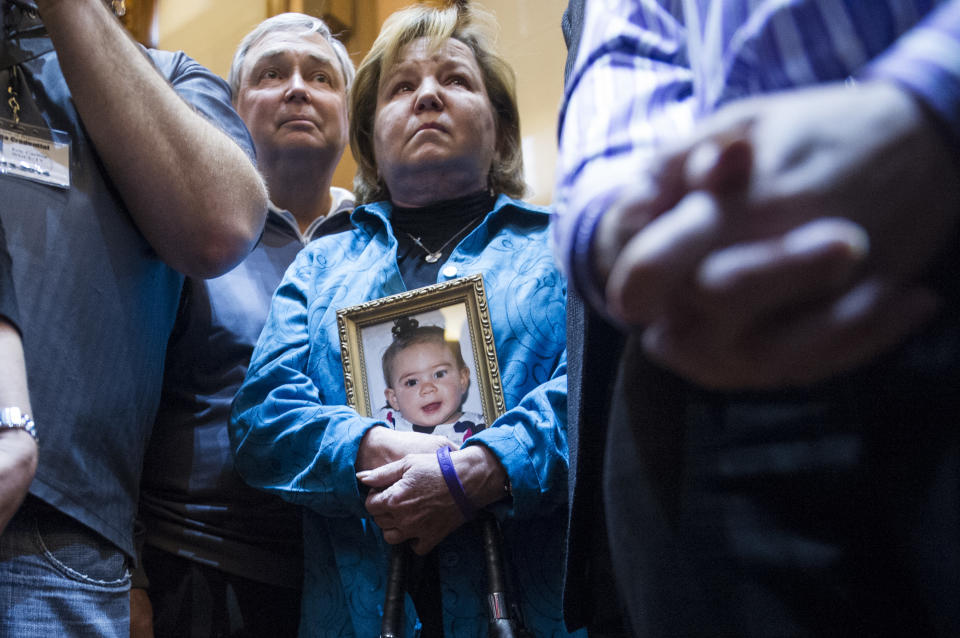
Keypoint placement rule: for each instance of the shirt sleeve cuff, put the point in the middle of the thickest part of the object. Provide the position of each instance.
(598, 187)
(582, 262)
(926, 62)
(525, 488)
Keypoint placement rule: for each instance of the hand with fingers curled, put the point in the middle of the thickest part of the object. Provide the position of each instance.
(409, 498)
(382, 445)
(785, 242)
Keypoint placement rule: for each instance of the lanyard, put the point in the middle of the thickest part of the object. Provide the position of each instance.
(37, 153)
(12, 92)
(119, 6)
(24, 36)
(26, 6)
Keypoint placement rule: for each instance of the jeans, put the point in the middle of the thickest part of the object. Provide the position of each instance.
(59, 579)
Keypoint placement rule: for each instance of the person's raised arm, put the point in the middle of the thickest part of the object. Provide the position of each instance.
(191, 190)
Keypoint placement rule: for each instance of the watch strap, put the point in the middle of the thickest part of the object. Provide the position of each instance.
(13, 418)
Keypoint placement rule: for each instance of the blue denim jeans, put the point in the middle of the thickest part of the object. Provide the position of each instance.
(59, 579)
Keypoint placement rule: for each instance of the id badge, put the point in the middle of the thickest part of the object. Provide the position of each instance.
(35, 153)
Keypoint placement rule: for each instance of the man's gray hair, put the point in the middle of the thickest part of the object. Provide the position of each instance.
(299, 23)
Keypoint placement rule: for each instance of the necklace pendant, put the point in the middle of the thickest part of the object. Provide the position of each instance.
(433, 258)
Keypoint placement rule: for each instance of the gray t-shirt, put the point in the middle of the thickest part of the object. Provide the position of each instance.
(96, 303)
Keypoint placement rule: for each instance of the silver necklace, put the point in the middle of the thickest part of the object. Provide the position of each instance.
(433, 256)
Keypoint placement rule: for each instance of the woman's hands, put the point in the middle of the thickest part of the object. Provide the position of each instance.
(410, 500)
(381, 445)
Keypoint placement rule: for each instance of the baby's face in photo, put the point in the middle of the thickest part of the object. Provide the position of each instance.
(427, 385)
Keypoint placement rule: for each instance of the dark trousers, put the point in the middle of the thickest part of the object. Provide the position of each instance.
(192, 600)
(828, 511)
(590, 598)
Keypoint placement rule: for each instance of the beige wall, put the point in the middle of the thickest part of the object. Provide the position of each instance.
(532, 42)
(209, 30)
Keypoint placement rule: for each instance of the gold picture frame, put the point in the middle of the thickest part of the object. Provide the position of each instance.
(459, 307)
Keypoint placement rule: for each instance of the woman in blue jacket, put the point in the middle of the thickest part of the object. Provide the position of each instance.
(435, 129)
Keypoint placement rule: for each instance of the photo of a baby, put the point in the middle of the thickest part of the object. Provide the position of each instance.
(427, 382)
(423, 360)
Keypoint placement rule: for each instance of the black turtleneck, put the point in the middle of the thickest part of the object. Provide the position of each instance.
(442, 224)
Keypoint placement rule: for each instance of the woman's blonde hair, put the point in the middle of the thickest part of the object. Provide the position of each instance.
(474, 27)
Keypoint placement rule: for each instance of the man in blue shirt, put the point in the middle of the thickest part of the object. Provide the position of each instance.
(223, 558)
(122, 186)
(206, 530)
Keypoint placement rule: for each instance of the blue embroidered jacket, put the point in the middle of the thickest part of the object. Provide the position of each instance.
(295, 436)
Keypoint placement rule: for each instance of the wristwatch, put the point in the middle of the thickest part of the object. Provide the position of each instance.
(11, 418)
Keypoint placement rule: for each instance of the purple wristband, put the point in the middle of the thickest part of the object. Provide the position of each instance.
(453, 483)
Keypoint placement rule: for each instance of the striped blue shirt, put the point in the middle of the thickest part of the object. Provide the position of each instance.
(647, 70)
